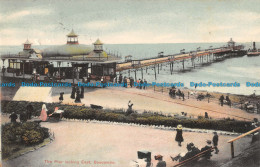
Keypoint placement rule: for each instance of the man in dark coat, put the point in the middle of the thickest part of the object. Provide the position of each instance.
(82, 92)
(73, 92)
(23, 117)
(145, 83)
(131, 82)
(61, 97)
(207, 154)
(141, 84)
(120, 78)
(29, 111)
(77, 100)
(215, 142)
(206, 115)
(192, 151)
(13, 117)
(221, 99)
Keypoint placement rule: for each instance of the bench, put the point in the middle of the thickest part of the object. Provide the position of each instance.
(192, 159)
(93, 106)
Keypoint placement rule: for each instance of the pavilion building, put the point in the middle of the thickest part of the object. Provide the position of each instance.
(72, 61)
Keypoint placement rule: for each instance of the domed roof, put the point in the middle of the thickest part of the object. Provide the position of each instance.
(67, 50)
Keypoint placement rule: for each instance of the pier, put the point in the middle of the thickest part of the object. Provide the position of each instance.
(184, 60)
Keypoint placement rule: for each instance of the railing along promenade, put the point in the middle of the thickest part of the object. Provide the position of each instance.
(239, 137)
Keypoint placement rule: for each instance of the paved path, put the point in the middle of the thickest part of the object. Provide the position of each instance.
(84, 142)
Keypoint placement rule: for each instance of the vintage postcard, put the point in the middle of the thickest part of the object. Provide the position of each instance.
(130, 83)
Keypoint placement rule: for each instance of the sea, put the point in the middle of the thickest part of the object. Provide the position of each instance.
(233, 70)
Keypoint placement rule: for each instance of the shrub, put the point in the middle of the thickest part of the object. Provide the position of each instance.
(31, 137)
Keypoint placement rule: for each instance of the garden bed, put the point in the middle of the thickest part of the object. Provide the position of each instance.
(119, 115)
(18, 137)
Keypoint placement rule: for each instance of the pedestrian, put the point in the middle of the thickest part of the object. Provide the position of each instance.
(206, 115)
(179, 137)
(82, 92)
(183, 96)
(208, 148)
(160, 163)
(192, 151)
(125, 82)
(138, 83)
(13, 117)
(145, 83)
(3, 69)
(77, 99)
(131, 82)
(215, 142)
(23, 117)
(221, 99)
(120, 78)
(43, 115)
(29, 111)
(129, 110)
(141, 84)
(73, 92)
(61, 97)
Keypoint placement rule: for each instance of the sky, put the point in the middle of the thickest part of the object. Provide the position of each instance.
(47, 22)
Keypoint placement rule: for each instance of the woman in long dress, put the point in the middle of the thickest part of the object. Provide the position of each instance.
(43, 115)
(179, 137)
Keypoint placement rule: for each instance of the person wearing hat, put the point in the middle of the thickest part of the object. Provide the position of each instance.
(215, 142)
(160, 163)
(179, 137)
(194, 149)
(208, 148)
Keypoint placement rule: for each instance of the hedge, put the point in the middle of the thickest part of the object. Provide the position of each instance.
(119, 115)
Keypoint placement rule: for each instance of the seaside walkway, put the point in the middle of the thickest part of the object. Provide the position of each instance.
(101, 142)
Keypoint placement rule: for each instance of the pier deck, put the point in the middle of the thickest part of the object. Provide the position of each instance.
(217, 52)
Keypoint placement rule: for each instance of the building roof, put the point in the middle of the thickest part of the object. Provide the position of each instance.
(72, 34)
(27, 42)
(67, 50)
(24, 54)
(37, 50)
(98, 42)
